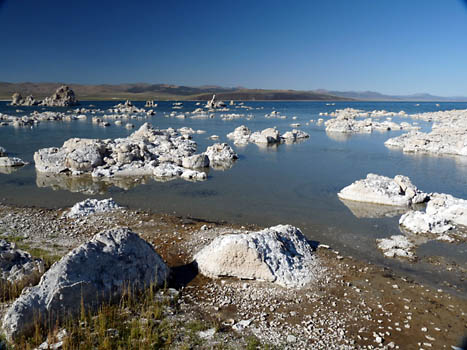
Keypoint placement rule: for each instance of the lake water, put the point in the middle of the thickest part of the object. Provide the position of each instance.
(295, 184)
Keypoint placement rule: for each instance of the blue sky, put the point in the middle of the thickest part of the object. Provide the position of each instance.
(391, 46)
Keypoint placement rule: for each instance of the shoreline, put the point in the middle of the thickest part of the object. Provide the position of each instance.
(356, 299)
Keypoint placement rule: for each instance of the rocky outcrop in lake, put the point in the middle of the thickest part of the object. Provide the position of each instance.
(95, 272)
(279, 254)
(242, 136)
(62, 97)
(447, 137)
(146, 152)
(9, 162)
(377, 189)
(350, 120)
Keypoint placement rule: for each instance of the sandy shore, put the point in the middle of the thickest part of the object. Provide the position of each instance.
(356, 305)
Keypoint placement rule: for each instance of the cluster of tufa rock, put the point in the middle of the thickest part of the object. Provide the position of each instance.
(242, 136)
(62, 97)
(442, 213)
(97, 271)
(346, 121)
(447, 137)
(279, 254)
(147, 151)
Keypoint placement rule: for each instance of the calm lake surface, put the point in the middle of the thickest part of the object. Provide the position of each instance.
(295, 184)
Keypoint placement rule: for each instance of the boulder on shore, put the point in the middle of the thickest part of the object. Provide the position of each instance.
(95, 272)
(91, 206)
(383, 190)
(18, 266)
(279, 254)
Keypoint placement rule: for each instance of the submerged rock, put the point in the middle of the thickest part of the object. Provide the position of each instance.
(95, 272)
(92, 206)
(18, 266)
(384, 190)
(279, 254)
(396, 247)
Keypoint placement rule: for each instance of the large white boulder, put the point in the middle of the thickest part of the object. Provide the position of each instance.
(383, 190)
(96, 271)
(279, 254)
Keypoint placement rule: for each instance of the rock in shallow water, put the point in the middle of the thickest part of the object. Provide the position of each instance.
(384, 190)
(279, 254)
(443, 212)
(93, 273)
(396, 247)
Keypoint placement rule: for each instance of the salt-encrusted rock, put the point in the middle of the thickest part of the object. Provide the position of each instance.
(167, 170)
(11, 162)
(91, 206)
(383, 190)
(221, 155)
(443, 212)
(96, 271)
(294, 135)
(2, 152)
(193, 175)
(196, 161)
(396, 247)
(266, 136)
(240, 136)
(18, 266)
(279, 254)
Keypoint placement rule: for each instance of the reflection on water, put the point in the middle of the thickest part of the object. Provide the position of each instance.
(371, 210)
(86, 183)
(8, 169)
(338, 136)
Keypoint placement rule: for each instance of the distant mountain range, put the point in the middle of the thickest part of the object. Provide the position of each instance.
(144, 91)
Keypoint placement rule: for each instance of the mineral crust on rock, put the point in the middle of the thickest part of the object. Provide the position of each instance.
(279, 254)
